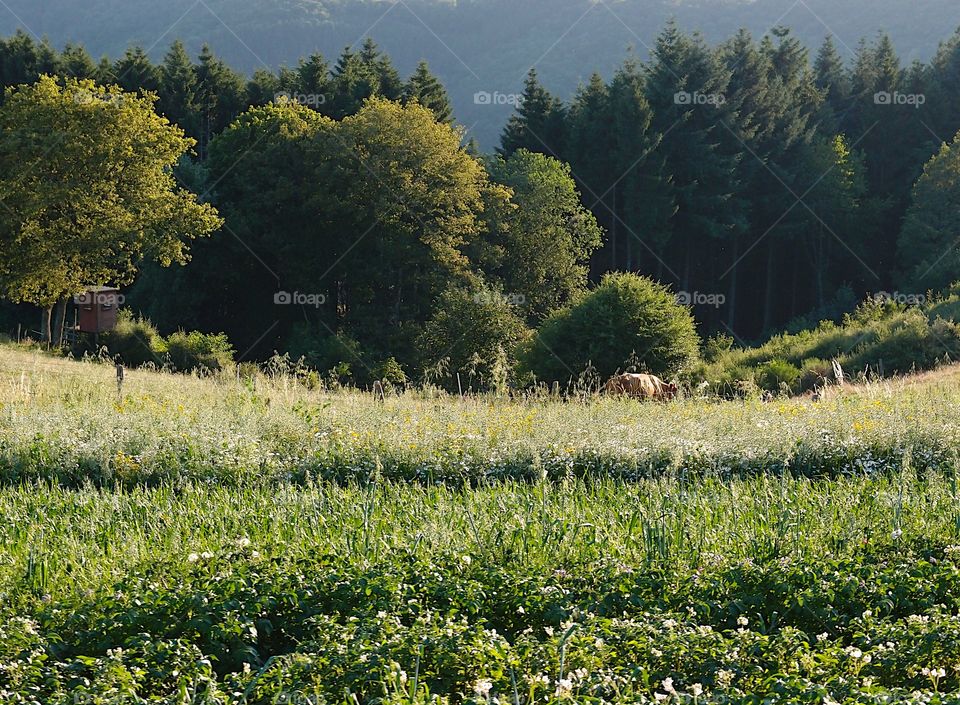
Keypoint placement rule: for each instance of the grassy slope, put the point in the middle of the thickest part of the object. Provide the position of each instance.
(62, 420)
(768, 584)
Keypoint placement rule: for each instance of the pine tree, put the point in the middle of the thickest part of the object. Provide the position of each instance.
(642, 195)
(424, 87)
(384, 77)
(351, 83)
(538, 124)
(75, 62)
(791, 103)
(833, 80)
(104, 74)
(686, 88)
(313, 78)
(221, 96)
(263, 87)
(178, 89)
(134, 71)
(18, 59)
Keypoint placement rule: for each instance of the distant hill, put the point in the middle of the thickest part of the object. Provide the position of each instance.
(473, 45)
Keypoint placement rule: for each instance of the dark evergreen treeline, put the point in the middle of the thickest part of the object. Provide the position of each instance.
(751, 171)
(205, 95)
(765, 182)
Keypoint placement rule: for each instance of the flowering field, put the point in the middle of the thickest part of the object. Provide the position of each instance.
(184, 544)
(63, 421)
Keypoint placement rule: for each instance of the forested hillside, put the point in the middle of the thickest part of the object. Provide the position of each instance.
(761, 183)
(478, 45)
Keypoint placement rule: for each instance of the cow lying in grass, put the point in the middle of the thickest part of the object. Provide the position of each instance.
(641, 386)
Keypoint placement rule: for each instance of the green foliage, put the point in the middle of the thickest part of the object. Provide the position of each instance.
(88, 185)
(881, 337)
(926, 248)
(626, 320)
(474, 332)
(543, 238)
(778, 374)
(195, 351)
(391, 374)
(424, 88)
(135, 341)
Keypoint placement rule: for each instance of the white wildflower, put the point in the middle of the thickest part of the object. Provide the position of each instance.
(482, 687)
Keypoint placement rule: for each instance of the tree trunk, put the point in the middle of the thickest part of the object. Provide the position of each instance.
(613, 232)
(819, 266)
(60, 319)
(732, 295)
(46, 325)
(768, 297)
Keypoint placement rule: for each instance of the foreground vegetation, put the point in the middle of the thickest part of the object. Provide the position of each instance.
(63, 421)
(182, 543)
(592, 592)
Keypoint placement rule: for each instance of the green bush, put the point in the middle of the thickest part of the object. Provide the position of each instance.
(777, 374)
(814, 371)
(476, 333)
(391, 374)
(881, 336)
(627, 318)
(199, 351)
(909, 341)
(336, 356)
(135, 341)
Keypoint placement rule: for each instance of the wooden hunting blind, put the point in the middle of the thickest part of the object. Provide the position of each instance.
(97, 309)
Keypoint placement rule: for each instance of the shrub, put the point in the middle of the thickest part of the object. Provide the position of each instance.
(907, 342)
(336, 356)
(477, 331)
(135, 341)
(814, 371)
(777, 374)
(391, 374)
(717, 346)
(627, 317)
(199, 351)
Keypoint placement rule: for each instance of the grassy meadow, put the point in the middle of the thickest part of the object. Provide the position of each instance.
(235, 540)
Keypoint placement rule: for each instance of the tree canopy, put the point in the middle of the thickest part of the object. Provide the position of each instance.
(87, 189)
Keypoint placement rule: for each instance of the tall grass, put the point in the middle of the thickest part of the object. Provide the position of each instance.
(63, 421)
(88, 539)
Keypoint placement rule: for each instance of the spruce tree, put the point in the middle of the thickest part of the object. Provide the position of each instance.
(134, 71)
(686, 88)
(833, 80)
(75, 62)
(221, 96)
(538, 125)
(178, 89)
(642, 196)
(424, 87)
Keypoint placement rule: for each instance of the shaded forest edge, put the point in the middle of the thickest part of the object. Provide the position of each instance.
(765, 187)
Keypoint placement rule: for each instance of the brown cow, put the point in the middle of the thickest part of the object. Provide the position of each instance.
(641, 386)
